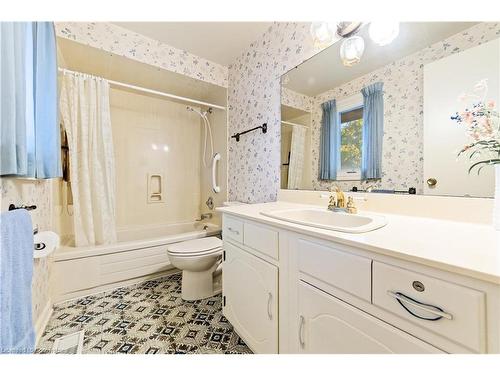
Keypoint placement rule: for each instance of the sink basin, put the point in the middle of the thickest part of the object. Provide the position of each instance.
(325, 219)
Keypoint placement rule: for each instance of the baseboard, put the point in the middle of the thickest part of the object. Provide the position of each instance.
(42, 320)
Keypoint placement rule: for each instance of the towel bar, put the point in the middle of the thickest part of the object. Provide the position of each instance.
(14, 207)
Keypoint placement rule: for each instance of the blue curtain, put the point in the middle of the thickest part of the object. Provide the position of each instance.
(29, 128)
(373, 131)
(329, 141)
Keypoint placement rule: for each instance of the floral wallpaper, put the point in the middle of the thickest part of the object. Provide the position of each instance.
(28, 192)
(297, 100)
(123, 42)
(254, 97)
(402, 161)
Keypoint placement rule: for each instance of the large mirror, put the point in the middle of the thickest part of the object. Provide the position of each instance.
(379, 113)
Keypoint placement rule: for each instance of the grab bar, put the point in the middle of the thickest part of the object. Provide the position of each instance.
(215, 187)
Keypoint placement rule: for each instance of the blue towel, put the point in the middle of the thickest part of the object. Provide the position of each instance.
(17, 334)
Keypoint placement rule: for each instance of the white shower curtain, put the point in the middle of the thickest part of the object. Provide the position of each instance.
(85, 113)
(296, 167)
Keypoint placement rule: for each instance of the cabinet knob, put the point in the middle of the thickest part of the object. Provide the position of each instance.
(432, 182)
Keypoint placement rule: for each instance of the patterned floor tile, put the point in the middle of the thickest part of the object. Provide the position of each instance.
(146, 318)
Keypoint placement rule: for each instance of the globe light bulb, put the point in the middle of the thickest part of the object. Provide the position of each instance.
(351, 50)
(323, 33)
(383, 33)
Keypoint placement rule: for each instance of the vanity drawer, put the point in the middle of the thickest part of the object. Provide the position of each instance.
(348, 272)
(262, 238)
(232, 228)
(459, 311)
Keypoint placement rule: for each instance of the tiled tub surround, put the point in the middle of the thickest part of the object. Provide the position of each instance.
(146, 318)
(254, 97)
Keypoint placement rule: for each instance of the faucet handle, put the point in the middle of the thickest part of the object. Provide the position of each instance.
(351, 207)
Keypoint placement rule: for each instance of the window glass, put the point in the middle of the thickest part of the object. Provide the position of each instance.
(351, 134)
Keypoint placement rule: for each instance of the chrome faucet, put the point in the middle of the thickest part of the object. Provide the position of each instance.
(205, 217)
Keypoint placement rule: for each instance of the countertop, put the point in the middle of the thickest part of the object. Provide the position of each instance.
(471, 250)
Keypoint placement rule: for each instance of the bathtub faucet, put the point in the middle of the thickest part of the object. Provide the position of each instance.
(204, 217)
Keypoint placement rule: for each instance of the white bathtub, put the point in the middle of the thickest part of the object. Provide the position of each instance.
(139, 254)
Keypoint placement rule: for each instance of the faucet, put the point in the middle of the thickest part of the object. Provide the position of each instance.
(337, 201)
(204, 217)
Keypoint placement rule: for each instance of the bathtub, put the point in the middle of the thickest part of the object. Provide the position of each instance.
(139, 254)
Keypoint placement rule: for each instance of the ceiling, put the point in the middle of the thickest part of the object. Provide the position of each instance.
(220, 42)
(82, 58)
(325, 71)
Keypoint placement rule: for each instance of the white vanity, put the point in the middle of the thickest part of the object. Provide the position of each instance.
(415, 285)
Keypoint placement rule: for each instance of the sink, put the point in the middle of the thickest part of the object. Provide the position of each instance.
(325, 219)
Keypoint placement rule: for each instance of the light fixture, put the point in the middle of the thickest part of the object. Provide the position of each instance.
(347, 29)
(351, 50)
(383, 33)
(323, 33)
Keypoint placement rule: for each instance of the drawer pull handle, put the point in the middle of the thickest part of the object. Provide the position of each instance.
(301, 331)
(233, 230)
(400, 297)
(269, 311)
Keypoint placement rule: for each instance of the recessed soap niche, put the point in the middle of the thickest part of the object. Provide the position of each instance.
(155, 188)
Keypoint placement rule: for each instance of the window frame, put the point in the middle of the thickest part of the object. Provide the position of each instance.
(345, 105)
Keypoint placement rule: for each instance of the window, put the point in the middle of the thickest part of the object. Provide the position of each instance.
(350, 112)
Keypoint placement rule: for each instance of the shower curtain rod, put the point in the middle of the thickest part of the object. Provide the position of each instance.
(155, 92)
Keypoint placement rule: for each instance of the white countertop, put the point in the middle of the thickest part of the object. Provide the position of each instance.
(468, 249)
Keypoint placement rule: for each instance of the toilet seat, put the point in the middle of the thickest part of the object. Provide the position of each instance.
(195, 255)
(197, 247)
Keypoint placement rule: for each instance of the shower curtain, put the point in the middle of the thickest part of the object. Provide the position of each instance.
(296, 167)
(85, 113)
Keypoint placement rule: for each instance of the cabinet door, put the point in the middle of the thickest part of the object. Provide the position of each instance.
(250, 288)
(329, 325)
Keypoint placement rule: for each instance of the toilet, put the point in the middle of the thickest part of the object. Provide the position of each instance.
(201, 263)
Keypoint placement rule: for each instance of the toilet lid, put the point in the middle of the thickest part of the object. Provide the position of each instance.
(197, 246)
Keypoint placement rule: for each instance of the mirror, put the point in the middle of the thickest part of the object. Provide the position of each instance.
(387, 123)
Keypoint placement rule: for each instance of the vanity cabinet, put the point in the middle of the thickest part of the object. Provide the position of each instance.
(328, 325)
(250, 298)
(287, 291)
(447, 309)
